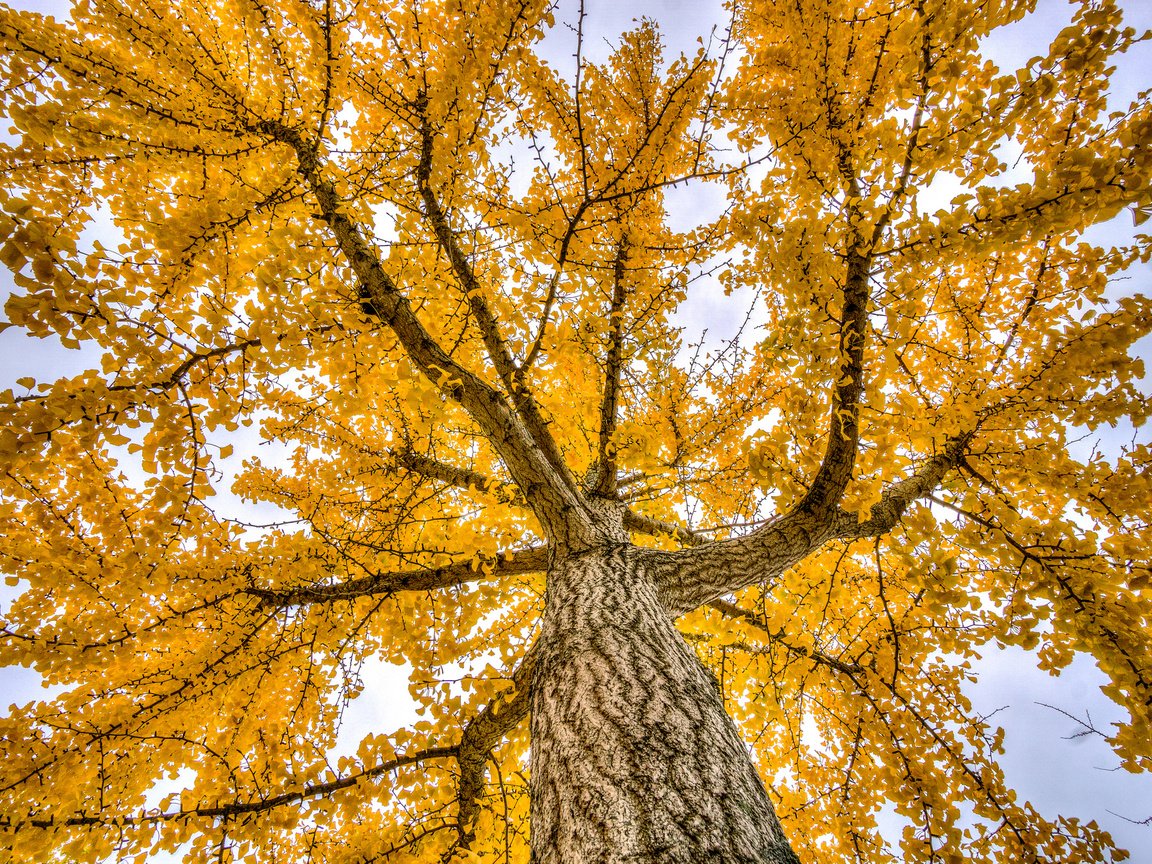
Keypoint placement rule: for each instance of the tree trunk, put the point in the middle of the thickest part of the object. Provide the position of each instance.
(634, 758)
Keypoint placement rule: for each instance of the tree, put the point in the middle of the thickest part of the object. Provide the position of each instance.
(653, 591)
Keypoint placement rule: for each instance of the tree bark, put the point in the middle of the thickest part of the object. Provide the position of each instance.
(634, 758)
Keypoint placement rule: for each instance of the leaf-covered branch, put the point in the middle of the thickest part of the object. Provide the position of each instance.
(462, 478)
(609, 399)
(230, 809)
(482, 734)
(733, 610)
(481, 312)
(695, 576)
(556, 502)
(424, 579)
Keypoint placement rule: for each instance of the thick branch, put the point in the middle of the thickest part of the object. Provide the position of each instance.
(692, 577)
(558, 505)
(426, 579)
(483, 734)
(844, 424)
(900, 495)
(482, 315)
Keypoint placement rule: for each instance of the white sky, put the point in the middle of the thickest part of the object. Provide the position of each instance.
(1074, 777)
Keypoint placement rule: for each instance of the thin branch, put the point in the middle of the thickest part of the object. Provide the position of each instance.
(606, 454)
(732, 610)
(1145, 822)
(553, 291)
(174, 378)
(576, 90)
(463, 478)
(641, 524)
(1087, 727)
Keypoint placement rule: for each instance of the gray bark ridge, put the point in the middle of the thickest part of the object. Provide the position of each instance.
(634, 757)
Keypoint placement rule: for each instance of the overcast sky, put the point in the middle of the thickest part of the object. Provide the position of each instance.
(1076, 777)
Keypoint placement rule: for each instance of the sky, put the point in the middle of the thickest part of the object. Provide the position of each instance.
(1045, 760)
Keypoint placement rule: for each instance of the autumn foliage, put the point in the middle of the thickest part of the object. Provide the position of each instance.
(398, 240)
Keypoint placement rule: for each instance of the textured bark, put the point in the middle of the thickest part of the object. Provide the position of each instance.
(634, 758)
(689, 578)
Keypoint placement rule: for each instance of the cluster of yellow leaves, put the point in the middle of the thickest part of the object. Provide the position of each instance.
(148, 220)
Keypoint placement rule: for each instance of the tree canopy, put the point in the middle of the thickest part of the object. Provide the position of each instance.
(447, 278)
